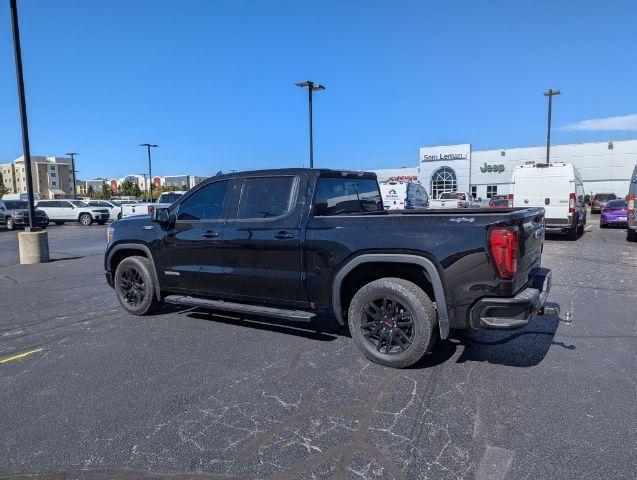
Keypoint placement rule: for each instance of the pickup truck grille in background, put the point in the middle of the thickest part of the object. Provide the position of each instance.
(101, 211)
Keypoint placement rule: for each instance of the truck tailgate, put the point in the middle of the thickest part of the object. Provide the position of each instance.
(530, 228)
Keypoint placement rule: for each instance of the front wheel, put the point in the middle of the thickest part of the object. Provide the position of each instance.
(10, 224)
(86, 219)
(393, 322)
(135, 286)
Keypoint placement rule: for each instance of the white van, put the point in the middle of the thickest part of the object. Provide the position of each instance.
(20, 196)
(558, 188)
(403, 195)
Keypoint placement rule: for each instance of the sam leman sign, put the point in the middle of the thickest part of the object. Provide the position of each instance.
(445, 153)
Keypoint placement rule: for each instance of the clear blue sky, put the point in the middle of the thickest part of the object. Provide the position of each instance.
(212, 82)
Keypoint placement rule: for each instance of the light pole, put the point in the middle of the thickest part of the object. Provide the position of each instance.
(150, 169)
(23, 112)
(72, 155)
(549, 94)
(311, 87)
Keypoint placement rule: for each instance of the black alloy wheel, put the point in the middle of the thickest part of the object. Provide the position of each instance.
(132, 287)
(387, 325)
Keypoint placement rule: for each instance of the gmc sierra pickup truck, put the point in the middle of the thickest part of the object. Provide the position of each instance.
(295, 243)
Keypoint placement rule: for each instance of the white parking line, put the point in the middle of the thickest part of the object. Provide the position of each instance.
(590, 226)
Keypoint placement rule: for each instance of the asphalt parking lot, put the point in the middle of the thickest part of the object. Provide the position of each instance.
(190, 394)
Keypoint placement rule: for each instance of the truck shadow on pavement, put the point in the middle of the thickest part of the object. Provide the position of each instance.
(525, 347)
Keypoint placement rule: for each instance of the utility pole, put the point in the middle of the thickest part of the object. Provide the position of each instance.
(23, 112)
(72, 155)
(150, 168)
(311, 87)
(549, 94)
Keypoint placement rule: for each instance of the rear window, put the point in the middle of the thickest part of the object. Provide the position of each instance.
(169, 197)
(617, 204)
(342, 196)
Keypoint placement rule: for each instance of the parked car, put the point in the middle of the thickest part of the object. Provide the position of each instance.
(453, 200)
(60, 211)
(403, 195)
(556, 187)
(599, 201)
(615, 213)
(498, 203)
(113, 206)
(293, 243)
(165, 199)
(15, 213)
(631, 217)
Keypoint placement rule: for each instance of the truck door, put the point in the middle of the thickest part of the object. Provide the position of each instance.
(262, 241)
(191, 256)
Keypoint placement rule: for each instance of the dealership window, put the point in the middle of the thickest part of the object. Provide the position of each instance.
(443, 180)
(474, 192)
(492, 191)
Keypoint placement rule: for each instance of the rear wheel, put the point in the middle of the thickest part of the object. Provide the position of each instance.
(392, 321)
(572, 232)
(631, 235)
(86, 219)
(10, 224)
(135, 287)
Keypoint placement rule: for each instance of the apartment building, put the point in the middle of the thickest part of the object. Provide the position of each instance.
(52, 177)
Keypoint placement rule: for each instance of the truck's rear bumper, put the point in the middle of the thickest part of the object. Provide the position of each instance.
(517, 311)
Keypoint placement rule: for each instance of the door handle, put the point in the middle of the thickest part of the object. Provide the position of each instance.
(210, 234)
(283, 235)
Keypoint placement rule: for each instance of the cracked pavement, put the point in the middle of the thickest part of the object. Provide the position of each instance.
(194, 394)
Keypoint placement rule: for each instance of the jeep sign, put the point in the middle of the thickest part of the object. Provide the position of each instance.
(497, 168)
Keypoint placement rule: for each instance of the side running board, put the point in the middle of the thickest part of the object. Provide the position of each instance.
(289, 314)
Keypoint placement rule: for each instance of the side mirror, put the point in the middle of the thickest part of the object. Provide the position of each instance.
(160, 215)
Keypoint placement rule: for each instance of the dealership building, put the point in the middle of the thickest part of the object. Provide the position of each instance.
(605, 167)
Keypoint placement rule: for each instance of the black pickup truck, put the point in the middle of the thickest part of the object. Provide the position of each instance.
(295, 243)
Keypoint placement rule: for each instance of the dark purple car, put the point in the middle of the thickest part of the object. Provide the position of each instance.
(614, 213)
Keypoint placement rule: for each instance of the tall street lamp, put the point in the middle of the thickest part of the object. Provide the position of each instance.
(23, 112)
(150, 169)
(311, 87)
(72, 155)
(549, 94)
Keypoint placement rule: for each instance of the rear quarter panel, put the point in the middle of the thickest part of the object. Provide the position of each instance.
(455, 243)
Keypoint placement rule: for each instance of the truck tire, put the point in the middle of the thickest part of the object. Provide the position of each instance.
(86, 219)
(393, 322)
(10, 224)
(572, 232)
(631, 235)
(135, 286)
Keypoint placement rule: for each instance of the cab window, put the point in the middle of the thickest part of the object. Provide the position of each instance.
(265, 197)
(204, 204)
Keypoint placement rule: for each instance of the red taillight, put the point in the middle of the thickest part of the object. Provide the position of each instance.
(150, 209)
(571, 203)
(510, 200)
(631, 204)
(503, 245)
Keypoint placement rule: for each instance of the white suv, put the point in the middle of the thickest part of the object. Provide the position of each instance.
(60, 211)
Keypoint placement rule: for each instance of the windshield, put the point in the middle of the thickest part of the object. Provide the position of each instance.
(605, 196)
(15, 204)
(77, 203)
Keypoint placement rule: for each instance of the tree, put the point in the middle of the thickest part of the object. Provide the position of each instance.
(126, 188)
(3, 190)
(90, 192)
(106, 192)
